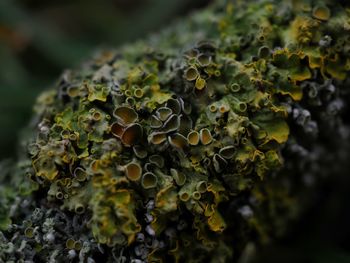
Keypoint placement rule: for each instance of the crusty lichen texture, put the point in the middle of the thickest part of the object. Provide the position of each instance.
(190, 145)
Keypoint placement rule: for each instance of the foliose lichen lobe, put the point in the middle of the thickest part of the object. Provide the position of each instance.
(168, 145)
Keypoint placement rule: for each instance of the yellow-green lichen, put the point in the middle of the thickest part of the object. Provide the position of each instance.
(186, 126)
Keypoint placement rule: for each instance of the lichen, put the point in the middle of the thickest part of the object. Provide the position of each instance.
(179, 147)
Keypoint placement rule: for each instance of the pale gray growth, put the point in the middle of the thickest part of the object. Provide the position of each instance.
(90, 260)
(325, 41)
(72, 254)
(246, 211)
(50, 237)
(150, 205)
(140, 237)
(335, 107)
(150, 230)
(148, 218)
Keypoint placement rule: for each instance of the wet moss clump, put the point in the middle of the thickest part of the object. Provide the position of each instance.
(195, 145)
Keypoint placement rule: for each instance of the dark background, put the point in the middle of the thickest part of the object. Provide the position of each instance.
(40, 38)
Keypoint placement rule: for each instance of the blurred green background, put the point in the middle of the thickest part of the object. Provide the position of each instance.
(40, 38)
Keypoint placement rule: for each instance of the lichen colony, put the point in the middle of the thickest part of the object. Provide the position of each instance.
(187, 147)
